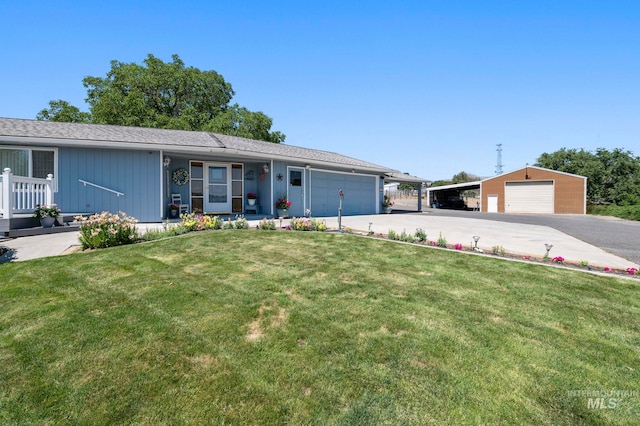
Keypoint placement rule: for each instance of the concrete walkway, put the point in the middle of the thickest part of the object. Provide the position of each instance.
(515, 238)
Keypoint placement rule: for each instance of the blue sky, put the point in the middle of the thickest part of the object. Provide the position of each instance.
(426, 87)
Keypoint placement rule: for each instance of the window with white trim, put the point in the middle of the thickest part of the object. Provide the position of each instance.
(29, 162)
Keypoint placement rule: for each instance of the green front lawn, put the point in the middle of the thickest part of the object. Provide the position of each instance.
(256, 327)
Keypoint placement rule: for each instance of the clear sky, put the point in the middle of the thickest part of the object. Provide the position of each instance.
(426, 87)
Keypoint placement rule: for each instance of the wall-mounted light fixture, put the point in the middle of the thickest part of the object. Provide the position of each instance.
(308, 167)
(265, 168)
(167, 161)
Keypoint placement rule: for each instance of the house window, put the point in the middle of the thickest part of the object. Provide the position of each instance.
(42, 163)
(36, 163)
(295, 178)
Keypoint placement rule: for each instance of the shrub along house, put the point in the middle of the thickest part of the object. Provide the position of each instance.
(136, 170)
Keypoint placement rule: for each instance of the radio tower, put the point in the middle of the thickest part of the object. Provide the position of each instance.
(499, 165)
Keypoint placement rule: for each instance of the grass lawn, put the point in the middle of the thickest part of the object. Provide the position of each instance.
(253, 327)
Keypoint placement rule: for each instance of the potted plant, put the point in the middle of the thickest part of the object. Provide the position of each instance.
(173, 209)
(282, 206)
(387, 204)
(46, 214)
(251, 198)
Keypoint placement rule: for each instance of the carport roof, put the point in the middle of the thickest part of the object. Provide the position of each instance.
(399, 177)
(467, 185)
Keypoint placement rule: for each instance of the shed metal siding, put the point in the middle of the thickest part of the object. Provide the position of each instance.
(568, 196)
(135, 173)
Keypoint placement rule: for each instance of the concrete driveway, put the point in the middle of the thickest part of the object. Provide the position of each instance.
(516, 234)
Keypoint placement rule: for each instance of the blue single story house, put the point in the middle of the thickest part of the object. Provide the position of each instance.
(136, 170)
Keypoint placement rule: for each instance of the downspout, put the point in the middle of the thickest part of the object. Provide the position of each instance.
(162, 184)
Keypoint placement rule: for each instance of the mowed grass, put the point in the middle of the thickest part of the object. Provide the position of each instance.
(248, 327)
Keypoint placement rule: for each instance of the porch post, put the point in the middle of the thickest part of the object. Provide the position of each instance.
(420, 197)
(49, 190)
(7, 194)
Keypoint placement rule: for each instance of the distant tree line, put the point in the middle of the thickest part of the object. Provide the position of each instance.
(613, 177)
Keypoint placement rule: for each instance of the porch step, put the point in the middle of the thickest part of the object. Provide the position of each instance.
(39, 230)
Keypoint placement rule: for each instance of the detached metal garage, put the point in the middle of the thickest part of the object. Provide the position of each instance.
(534, 190)
(360, 193)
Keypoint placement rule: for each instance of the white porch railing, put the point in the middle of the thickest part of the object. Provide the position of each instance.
(20, 194)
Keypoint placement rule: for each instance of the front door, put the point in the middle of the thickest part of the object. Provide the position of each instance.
(295, 191)
(217, 198)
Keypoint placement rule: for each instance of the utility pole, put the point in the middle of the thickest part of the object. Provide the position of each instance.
(499, 164)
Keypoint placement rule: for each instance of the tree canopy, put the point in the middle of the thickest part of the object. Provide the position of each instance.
(164, 95)
(612, 176)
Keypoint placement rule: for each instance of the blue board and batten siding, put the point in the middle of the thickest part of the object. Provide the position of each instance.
(134, 173)
(362, 192)
(139, 175)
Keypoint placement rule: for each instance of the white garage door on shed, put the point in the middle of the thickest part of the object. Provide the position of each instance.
(528, 197)
(360, 193)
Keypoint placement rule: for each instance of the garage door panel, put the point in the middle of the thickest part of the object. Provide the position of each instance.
(529, 197)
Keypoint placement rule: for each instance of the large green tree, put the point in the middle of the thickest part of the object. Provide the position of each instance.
(612, 176)
(164, 95)
(60, 110)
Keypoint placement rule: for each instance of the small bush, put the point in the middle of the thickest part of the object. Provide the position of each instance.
(267, 224)
(307, 224)
(442, 241)
(107, 230)
(420, 235)
(393, 235)
(407, 238)
(198, 222)
(241, 223)
(498, 250)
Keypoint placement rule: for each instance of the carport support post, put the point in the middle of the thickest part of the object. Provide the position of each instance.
(341, 194)
(420, 197)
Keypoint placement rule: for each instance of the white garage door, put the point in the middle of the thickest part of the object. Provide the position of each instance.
(359, 193)
(528, 197)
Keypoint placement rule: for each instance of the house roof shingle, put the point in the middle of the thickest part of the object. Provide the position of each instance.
(105, 135)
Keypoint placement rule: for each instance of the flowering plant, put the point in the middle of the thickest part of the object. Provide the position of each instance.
(252, 196)
(173, 206)
(387, 202)
(46, 211)
(282, 203)
(307, 224)
(107, 230)
(632, 271)
(558, 259)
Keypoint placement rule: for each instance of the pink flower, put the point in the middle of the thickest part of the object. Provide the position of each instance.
(458, 246)
(631, 271)
(607, 269)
